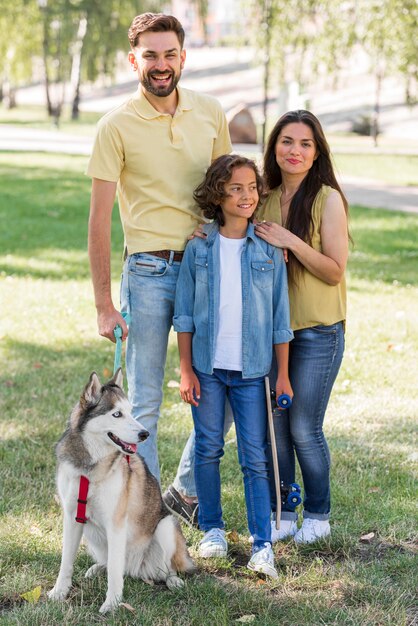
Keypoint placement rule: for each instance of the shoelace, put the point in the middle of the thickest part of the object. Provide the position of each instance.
(216, 535)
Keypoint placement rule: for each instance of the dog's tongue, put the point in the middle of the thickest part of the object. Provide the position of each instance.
(130, 447)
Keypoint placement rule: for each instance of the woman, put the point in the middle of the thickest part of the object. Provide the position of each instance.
(305, 213)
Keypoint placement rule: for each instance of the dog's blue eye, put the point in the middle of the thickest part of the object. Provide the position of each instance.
(117, 414)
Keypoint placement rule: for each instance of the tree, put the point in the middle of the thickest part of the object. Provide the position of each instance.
(304, 36)
(202, 10)
(19, 43)
(76, 39)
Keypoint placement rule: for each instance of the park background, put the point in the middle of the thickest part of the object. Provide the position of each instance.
(354, 64)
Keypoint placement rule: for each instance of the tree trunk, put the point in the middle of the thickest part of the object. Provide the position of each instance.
(8, 95)
(76, 67)
(376, 112)
(267, 44)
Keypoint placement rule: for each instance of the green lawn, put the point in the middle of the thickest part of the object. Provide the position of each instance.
(49, 346)
(396, 169)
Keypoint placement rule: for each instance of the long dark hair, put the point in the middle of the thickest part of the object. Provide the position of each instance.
(299, 218)
(211, 191)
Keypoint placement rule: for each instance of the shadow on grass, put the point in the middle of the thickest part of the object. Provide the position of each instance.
(46, 213)
(36, 416)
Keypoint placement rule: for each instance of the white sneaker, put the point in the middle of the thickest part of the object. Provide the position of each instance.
(312, 530)
(288, 528)
(213, 543)
(263, 562)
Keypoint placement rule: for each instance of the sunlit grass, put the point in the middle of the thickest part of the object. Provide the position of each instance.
(394, 169)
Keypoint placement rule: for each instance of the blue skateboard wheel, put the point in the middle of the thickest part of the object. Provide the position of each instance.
(294, 499)
(284, 401)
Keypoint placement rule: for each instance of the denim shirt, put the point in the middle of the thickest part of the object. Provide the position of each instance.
(265, 303)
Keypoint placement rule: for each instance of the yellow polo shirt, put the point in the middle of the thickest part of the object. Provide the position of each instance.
(158, 160)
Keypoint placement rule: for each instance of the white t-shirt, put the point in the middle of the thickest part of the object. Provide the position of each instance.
(228, 349)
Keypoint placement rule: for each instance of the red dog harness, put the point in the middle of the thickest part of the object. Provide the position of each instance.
(83, 491)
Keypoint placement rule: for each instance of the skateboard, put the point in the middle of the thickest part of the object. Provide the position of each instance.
(290, 494)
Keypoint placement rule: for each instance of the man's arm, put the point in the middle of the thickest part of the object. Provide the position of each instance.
(103, 194)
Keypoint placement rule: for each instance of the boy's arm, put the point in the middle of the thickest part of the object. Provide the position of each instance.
(282, 357)
(282, 333)
(189, 383)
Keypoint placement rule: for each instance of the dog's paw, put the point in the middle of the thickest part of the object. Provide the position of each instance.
(109, 605)
(94, 570)
(174, 582)
(58, 593)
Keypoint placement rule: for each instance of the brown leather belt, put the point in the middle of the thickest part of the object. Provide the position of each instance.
(165, 254)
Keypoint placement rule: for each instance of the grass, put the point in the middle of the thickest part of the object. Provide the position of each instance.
(36, 116)
(395, 169)
(49, 346)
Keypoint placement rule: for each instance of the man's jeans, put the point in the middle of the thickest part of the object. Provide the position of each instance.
(247, 399)
(147, 292)
(315, 358)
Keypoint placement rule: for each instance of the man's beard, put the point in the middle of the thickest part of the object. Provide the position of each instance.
(161, 92)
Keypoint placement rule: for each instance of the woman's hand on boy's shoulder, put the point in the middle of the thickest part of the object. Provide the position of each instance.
(270, 232)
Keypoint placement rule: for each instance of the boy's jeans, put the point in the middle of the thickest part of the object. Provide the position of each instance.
(184, 481)
(247, 399)
(148, 291)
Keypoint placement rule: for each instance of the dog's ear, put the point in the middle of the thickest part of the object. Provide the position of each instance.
(91, 393)
(118, 378)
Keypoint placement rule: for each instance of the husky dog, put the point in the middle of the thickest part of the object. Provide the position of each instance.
(127, 528)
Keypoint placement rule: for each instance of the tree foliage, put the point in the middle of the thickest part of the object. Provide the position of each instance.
(301, 37)
(76, 39)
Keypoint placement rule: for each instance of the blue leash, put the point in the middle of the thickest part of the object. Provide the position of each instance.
(118, 336)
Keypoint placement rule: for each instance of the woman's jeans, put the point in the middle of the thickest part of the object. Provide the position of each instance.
(247, 399)
(315, 358)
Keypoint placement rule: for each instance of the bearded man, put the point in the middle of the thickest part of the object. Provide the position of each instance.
(153, 150)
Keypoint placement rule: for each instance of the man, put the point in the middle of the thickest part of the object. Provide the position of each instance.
(154, 150)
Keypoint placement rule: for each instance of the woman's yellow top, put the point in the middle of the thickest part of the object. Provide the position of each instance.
(312, 301)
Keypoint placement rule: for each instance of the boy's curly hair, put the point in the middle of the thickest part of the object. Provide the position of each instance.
(211, 191)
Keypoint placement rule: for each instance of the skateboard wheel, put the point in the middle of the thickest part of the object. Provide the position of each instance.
(294, 499)
(284, 401)
(295, 487)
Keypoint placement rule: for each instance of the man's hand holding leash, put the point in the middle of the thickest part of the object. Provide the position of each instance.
(107, 322)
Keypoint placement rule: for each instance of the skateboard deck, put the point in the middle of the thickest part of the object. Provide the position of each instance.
(273, 452)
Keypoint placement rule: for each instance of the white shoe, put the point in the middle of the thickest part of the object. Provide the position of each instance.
(312, 530)
(263, 562)
(288, 528)
(213, 544)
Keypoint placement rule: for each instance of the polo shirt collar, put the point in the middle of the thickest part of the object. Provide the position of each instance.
(145, 109)
(185, 102)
